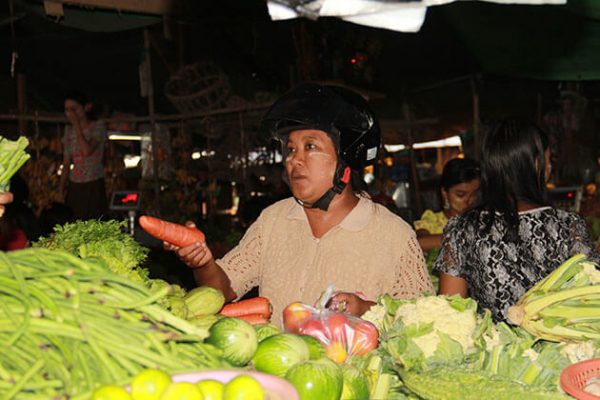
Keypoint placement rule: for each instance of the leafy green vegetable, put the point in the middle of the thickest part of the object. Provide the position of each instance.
(107, 240)
(12, 157)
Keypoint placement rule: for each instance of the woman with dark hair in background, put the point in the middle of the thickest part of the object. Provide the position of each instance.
(84, 148)
(513, 239)
(460, 187)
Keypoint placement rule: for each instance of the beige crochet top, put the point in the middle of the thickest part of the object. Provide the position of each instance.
(372, 251)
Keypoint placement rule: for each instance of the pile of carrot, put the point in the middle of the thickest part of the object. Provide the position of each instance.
(176, 234)
(256, 310)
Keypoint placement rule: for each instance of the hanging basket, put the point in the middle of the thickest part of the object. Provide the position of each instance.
(198, 87)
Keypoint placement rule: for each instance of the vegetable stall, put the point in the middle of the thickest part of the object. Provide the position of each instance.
(81, 319)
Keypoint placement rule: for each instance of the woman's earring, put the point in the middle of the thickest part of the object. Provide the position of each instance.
(446, 204)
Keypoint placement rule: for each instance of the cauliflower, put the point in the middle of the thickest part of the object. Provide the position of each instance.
(437, 310)
(376, 315)
(432, 330)
(579, 351)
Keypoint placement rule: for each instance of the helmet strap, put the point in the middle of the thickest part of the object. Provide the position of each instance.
(340, 181)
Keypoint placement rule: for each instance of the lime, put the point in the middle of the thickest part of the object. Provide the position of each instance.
(111, 392)
(181, 391)
(243, 387)
(211, 389)
(149, 384)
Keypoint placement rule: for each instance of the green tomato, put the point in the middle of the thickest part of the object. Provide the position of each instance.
(211, 389)
(111, 392)
(243, 387)
(149, 384)
(182, 391)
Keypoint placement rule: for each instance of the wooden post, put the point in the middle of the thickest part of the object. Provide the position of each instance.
(476, 118)
(180, 45)
(152, 121)
(413, 162)
(22, 102)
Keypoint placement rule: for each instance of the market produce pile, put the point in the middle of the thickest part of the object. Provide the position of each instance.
(78, 311)
(423, 339)
(123, 255)
(69, 325)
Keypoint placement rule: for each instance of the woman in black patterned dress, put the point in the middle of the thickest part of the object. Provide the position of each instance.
(513, 239)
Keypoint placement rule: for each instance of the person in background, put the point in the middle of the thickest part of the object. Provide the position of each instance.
(460, 189)
(19, 226)
(11, 238)
(513, 238)
(379, 195)
(329, 231)
(83, 142)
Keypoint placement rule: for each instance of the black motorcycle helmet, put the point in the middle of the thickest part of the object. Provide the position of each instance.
(341, 113)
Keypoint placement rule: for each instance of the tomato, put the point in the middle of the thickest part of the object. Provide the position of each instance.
(294, 315)
(338, 326)
(365, 338)
(315, 328)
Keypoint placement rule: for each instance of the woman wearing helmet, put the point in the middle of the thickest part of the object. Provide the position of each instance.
(329, 231)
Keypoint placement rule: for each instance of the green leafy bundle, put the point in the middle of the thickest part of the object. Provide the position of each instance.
(12, 157)
(107, 240)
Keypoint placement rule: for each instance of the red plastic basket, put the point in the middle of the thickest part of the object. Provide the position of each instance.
(573, 379)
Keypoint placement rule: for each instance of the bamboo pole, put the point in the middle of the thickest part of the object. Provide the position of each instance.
(60, 118)
(413, 161)
(22, 102)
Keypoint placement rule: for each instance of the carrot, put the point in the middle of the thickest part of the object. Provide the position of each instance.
(256, 305)
(253, 319)
(176, 234)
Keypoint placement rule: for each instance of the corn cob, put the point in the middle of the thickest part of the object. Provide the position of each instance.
(564, 306)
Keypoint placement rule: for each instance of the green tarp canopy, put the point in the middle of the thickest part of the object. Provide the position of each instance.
(542, 42)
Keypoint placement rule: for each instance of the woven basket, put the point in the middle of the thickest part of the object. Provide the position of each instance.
(198, 87)
(573, 379)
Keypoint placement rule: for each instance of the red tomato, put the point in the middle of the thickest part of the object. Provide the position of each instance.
(365, 338)
(315, 328)
(338, 326)
(294, 315)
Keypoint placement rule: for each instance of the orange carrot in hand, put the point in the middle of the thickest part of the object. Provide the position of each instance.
(176, 234)
(254, 319)
(256, 305)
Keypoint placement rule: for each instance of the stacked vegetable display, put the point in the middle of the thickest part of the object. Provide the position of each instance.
(440, 345)
(68, 325)
(123, 255)
(71, 322)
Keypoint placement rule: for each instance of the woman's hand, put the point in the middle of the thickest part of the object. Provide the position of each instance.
(196, 255)
(350, 303)
(5, 198)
